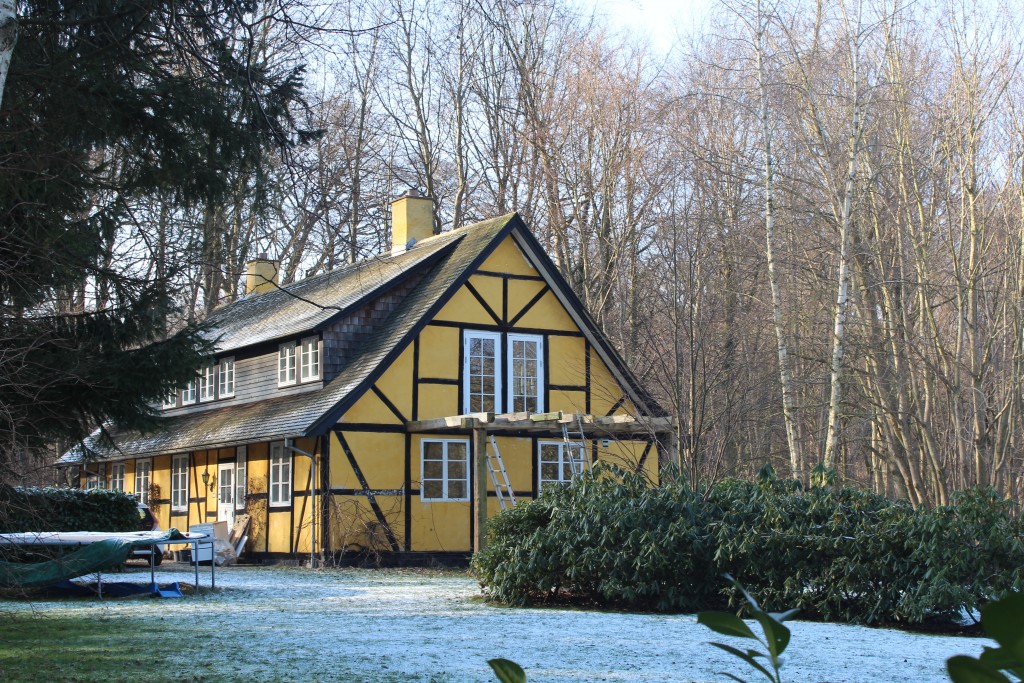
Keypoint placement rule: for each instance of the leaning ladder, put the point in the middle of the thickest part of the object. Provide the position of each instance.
(502, 486)
(580, 442)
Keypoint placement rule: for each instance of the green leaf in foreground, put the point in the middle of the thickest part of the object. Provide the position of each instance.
(507, 671)
(726, 624)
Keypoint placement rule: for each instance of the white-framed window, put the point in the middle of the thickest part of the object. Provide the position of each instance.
(179, 483)
(188, 394)
(481, 372)
(97, 477)
(208, 383)
(240, 477)
(526, 373)
(226, 378)
(171, 399)
(117, 476)
(280, 475)
(558, 462)
(286, 364)
(310, 359)
(444, 470)
(143, 471)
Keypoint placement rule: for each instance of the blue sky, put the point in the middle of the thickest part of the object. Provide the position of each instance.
(661, 20)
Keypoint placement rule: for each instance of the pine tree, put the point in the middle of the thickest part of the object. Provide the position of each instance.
(108, 103)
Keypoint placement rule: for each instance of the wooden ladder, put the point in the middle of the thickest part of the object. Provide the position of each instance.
(502, 486)
(577, 466)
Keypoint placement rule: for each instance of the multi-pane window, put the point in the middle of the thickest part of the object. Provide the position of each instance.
(143, 468)
(240, 475)
(280, 475)
(444, 470)
(117, 476)
(188, 394)
(310, 358)
(208, 383)
(481, 372)
(559, 462)
(96, 479)
(171, 399)
(526, 373)
(286, 364)
(226, 377)
(179, 482)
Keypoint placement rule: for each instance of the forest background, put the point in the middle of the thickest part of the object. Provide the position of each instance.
(802, 227)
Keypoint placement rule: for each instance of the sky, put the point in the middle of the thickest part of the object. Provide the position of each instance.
(661, 20)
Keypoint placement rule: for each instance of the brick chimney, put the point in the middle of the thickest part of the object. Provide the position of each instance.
(261, 275)
(412, 220)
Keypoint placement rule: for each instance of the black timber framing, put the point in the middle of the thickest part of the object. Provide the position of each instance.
(378, 513)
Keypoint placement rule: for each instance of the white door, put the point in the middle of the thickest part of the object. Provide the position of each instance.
(226, 494)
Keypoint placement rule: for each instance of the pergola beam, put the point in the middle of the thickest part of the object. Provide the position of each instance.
(593, 427)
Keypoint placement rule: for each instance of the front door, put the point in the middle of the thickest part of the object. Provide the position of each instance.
(226, 494)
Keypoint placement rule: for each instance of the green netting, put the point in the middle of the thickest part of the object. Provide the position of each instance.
(87, 559)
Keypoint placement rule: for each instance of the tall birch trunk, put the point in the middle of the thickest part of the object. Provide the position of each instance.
(785, 378)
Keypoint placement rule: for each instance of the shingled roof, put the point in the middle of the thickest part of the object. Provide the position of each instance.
(307, 305)
(445, 261)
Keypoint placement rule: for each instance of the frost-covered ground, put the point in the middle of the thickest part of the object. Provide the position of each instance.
(291, 624)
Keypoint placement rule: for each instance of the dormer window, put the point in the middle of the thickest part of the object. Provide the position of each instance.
(310, 359)
(286, 364)
(188, 394)
(227, 378)
(208, 383)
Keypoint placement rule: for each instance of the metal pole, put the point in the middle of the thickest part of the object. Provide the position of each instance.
(195, 562)
(152, 565)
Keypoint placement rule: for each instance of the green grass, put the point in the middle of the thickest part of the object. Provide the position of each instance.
(39, 647)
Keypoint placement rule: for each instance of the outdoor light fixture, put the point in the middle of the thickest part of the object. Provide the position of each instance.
(207, 483)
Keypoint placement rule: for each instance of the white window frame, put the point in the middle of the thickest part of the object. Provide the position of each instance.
(528, 338)
(309, 361)
(208, 383)
(287, 374)
(117, 472)
(226, 378)
(563, 447)
(280, 475)
(445, 479)
(143, 476)
(188, 394)
(467, 397)
(241, 483)
(97, 480)
(171, 400)
(179, 483)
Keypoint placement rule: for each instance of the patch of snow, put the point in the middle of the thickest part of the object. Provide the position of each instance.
(307, 625)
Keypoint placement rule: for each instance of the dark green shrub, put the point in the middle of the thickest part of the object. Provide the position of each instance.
(837, 553)
(62, 509)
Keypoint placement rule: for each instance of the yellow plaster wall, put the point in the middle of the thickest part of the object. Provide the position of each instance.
(464, 307)
(507, 258)
(568, 401)
(369, 409)
(380, 456)
(396, 382)
(436, 347)
(440, 527)
(278, 532)
(548, 314)
(567, 365)
(520, 293)
(490, 289)
(438, 400)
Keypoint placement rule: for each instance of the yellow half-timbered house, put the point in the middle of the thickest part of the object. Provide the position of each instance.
(383, 405)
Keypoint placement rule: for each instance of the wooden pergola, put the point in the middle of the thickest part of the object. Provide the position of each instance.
(587, 427)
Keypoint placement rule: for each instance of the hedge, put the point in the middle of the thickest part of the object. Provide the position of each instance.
(64, 509)
(839, 554)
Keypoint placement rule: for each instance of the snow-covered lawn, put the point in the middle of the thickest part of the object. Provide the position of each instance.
(291, 624)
